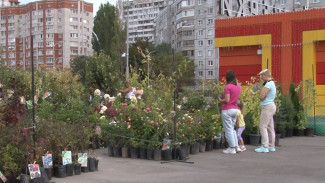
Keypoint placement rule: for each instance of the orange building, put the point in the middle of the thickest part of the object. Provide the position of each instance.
(291, 45)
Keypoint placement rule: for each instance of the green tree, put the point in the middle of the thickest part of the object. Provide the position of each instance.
(78, 67)
(102, 73)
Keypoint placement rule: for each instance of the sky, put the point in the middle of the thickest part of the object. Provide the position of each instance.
(95, 2)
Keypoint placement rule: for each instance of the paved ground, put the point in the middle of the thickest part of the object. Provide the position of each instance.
(298, 160)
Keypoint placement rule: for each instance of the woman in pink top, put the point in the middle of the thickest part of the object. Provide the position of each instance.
(230, 111)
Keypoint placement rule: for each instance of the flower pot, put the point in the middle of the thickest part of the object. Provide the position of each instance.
(289, 132)
(157, 154)
(60, 171)
(167, 154)
(125, 152)
(36, 180)
(222, 145)
(92, 164)
(246, 139)
(110, 151)
(134, 152)
(117, 151)
(175, 153)
(202, 147)
(44, 177)
(11, 179)
(195, 148)
(254, 139)
(85, 169)
(277, 139)
(96, 164)
(69, 169)
(283, 133)
(299, 133)
(182, 153)
(149, 154)
(49, 173)
(309, 132)
(77, 169)
(24, 178)
(209, 145)
(143, 153)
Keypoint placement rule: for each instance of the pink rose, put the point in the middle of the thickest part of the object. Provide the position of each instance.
(124, 104)
(148, 109)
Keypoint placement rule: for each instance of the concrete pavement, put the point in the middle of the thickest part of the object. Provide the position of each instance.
(297, 160)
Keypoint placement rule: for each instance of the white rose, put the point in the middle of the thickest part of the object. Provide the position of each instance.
(102, 117)
(106, 96)
(111, 99)
(119, 94)
(97, 92)
(1, 85)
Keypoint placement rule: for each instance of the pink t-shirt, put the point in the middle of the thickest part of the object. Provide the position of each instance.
(234, 91)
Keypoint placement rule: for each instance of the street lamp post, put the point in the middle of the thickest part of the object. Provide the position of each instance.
(127, 41)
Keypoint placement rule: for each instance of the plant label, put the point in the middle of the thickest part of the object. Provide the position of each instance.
(82, 159)
(47, 161)
(3, 178)
(34, 171)
(66, 157)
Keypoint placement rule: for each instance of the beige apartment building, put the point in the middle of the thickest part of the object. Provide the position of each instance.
(61, 30)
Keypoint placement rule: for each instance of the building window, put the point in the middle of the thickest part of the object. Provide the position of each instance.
(314, 1)
(210, 73)
(73, 11)
(200, 73)
(49, 59)
(210, 1)
(199, 2)
(210, 63)
(74, 19)
(200, 32)
(210, 32)
(73, 27)
(210, 21)
(60, 36)
(74, 52)
(199, 22)
(40, 20)
(200, 42)
(200, 63)
(74, 35)
(49, 27)
(199, 53)
(59, 11)
(210, 11)
(209, 53)
(210, 42)
(49, 19)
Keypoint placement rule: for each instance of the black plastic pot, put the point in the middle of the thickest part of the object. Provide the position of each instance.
(12, 179)
(105, 144)
(110, 151)
(117, 151)
(149, 154)
(24, 178)
(167, 154)
(96, 164)
(44, 177)
(209, 145)
(143, 153)
(157, 154)
(202, 146)
(49, 173)
(69, 169)
(125, 152)
(254, 139)
(85, 169)
(37, 180)
(182, 153)
(283, 133)
(309, 132)
(277, 139)
(289, 132)
(195, 148)
(222, 145)
(246, 139)
(298, 133)
(77, 169)
(134, 152)
(92, 164)
(60, 171)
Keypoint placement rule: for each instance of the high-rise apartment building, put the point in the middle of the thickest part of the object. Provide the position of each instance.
(188, 25)
(61, 30)
(141, 14)
(5, 3)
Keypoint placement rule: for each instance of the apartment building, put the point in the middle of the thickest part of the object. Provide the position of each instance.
(141, 17)
(308, 4)
(188, 25)
(61, 30)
